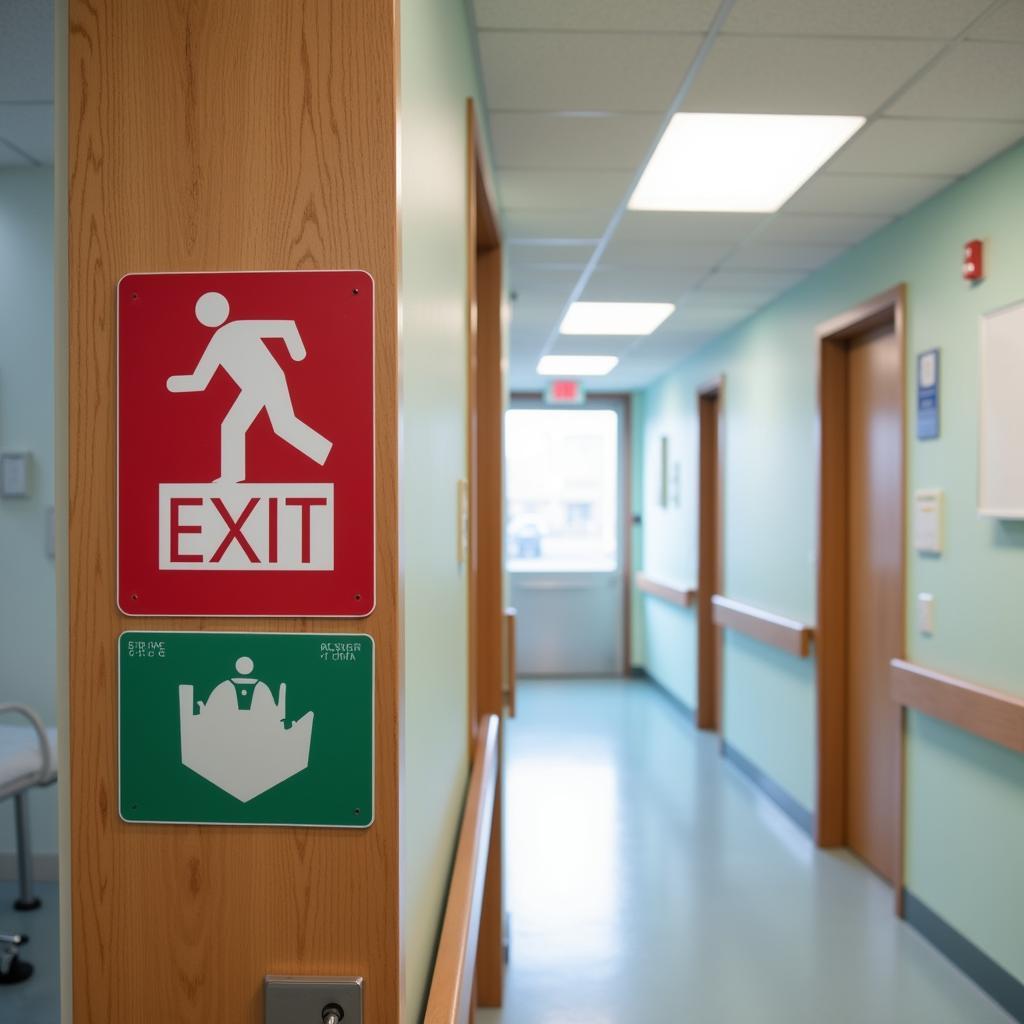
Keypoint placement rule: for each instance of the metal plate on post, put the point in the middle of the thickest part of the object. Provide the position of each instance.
(293, 999)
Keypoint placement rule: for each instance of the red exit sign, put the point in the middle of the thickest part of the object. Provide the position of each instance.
(565, 392)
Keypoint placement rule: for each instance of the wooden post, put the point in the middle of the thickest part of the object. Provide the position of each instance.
(222, 135)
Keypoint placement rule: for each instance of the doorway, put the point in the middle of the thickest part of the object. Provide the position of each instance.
(861, 582)
(566, 535)
(709, 642)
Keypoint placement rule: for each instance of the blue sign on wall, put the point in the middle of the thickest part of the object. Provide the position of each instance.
(928, 395)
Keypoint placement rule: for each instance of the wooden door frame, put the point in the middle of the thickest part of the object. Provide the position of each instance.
(485, 418)
(708, 713)
(833, 338)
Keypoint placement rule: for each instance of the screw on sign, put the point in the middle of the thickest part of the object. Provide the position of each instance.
(245, 444)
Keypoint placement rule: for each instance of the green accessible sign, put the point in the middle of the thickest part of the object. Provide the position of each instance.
(246, 728)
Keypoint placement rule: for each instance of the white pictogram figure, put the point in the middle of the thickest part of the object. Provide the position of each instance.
(239, 739)
(239, 348)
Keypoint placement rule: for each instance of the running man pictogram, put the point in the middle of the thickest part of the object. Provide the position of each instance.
(240, 349)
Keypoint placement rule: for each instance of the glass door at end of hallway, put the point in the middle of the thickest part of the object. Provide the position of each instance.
(565, 536)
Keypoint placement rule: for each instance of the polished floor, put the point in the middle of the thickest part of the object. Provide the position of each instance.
(37, 1000)
(650, 882)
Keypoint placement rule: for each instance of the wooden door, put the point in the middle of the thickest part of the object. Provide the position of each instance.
(874, 597)
(708, 557)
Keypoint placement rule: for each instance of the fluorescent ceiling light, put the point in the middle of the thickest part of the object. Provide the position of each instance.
(737, 163)
(615, 317)
(576, 366)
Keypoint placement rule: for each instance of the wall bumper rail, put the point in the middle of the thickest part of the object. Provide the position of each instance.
(671, 592)
(451, 989)
(777, 630)
(991, 714)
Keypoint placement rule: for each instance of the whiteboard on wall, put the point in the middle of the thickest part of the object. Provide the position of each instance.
(1001, 430)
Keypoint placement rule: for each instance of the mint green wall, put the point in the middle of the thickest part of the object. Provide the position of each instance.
(965, 797)
(438, 73)
(27, 587)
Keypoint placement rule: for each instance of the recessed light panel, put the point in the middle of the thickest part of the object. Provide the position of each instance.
(634, 318)
(737, 163)
(576, 366)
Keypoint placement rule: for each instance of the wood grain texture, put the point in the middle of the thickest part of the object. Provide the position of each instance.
(993, 715)
(875, 608)
(487, 500)
(452, 998)
(222, 136)
(776, 630)
(671, 592)
(884, 312)
(830, 817)
(711, 472)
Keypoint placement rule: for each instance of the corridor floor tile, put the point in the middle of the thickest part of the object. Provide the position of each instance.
(649, 881)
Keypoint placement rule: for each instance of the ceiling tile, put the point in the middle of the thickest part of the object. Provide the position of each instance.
(925, 146)
(594, 141)
(639, 284)
(779, 75)
(604, 15)
(938, 19)
(563, 190)
(624, 252)
(29, 128)
(749, 283)
(701, 319)
(12, 158)
(820, 228)
(563, 224)
(579, 71)
(675, 228)
(534, 285)
(886, 195)
(575, 345)
(765, 256)
(1004, 25)
(975, 80)
(526, 254)
(26, 50)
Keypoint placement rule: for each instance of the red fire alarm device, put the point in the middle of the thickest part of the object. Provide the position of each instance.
(973, 268)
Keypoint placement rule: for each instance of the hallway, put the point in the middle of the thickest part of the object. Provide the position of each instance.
(650, 881)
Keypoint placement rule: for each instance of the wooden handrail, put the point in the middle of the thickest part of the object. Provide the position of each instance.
(787, 634)
(510, 661)
(682, 596)
(451, 990)
(991, 714)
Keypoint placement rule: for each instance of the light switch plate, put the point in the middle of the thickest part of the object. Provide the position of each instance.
(14, 474)
(928, 521)
(926, 614)
(295, 999)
